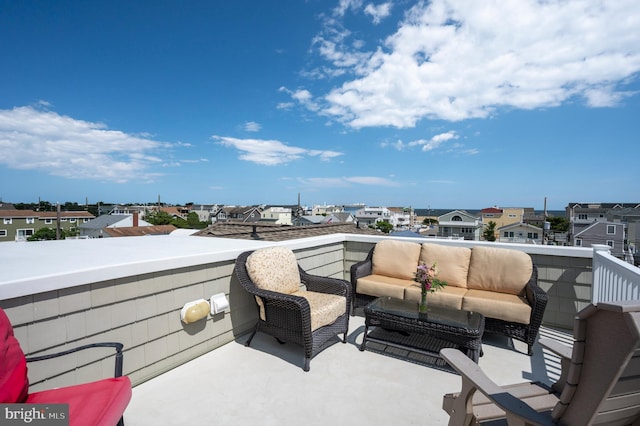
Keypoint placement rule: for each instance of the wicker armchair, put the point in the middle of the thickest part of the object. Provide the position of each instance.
(310, 317)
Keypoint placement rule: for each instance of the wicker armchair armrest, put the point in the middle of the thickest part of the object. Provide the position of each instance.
(536, 297)
(361, 269)
(473, 378)
(325, 284)
(117, 346)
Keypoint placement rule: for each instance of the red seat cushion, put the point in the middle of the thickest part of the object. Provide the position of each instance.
(95, 403)
(14, 383)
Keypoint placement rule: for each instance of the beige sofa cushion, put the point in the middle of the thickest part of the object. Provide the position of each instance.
(398, 259)
(499, 270)
(452, 262)
(502, 306)
(275, 269)
(448, 297)
(380, 285)
(325, 308)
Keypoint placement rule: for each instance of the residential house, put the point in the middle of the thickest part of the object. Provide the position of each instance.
(369, 216)
(613, 234)
(582, 215)
(277, 215)
(404, 217)
(459, 224)
(242, 214)
(95, 228)
(520, 233)
(205, 212)
(322, 210)
(18, 225)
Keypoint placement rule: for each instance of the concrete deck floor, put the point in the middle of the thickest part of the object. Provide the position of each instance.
(265, 384)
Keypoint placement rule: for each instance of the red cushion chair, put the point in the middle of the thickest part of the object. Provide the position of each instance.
(96, 403)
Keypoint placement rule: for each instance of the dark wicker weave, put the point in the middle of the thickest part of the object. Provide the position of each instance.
(526, 333)
(288, 317)
(445, 327)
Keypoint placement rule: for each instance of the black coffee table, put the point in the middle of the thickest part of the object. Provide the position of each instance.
(440, 327)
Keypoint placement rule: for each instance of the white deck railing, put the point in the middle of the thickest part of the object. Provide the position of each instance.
(613, 279)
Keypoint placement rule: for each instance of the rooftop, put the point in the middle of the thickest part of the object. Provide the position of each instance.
(61, 294)
(265, 385)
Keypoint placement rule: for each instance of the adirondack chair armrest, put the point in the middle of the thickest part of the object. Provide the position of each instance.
(564, 352)
(560, 349)
(473, 378)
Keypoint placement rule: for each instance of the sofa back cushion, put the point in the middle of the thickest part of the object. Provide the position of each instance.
(452, 263)
(275, 269)
(498, 269)
(398, 259)
(14, 383)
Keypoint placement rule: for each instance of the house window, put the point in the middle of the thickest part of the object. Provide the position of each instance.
(48, 221)
(23, 234)
(512, 215)
(64, 219)
(3, 232)
(578, 242)
(456, 219)
(582, 216)
(611, 230)
(508, 234)
(30, 220)
(488, 215)
(72, 220)
(8, 221)
(532, 235)
(610, 243)
(85, 220)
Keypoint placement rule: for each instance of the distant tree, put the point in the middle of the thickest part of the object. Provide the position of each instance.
(489, 232)
(159, 218)
(193, 221)
(558, 224)
(46, 234)
(383, 226)
(430, 221)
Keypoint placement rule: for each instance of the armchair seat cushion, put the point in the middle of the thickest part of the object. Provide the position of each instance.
(325, 308)
(96, 403)
(502, 306)
(380, 286)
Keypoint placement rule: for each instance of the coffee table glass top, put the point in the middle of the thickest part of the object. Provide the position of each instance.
(438, 315)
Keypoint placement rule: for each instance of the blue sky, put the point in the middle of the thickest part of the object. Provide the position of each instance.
(448, 104)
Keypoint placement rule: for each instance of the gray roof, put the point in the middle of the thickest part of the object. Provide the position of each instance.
(103, 221)
(270, 232)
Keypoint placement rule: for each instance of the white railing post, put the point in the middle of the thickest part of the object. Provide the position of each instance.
(613, 279)
(598, 285)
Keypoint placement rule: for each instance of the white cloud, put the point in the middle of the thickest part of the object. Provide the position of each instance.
(33, 139)
(379, 12)
(300, 96)
(271, 152)
(252, 126)
(434, 142)
(454, 60)
(344, 5)
(346, 181)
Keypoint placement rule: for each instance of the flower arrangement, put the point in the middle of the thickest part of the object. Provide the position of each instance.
(426, 277)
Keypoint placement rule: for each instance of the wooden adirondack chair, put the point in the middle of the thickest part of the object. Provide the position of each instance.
(599, 383)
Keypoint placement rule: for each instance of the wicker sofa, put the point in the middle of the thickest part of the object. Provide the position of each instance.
(499, 283)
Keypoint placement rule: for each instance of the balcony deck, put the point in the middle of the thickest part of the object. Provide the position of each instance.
(265, 384)
(63, 294)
